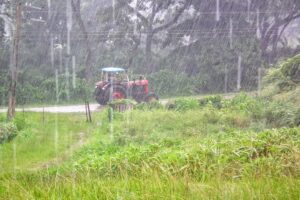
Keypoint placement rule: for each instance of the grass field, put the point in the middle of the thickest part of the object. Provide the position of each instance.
(242, 148)
(41, 139)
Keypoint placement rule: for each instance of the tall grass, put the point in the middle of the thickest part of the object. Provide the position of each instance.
(243, 148)
(37, 142)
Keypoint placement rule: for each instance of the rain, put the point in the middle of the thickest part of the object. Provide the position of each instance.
(149, 99)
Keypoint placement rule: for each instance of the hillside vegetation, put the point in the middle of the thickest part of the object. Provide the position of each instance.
(242, 148)
(214, 148)
(283, 82)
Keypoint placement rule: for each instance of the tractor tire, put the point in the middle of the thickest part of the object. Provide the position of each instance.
(100, 96)
(150, 98)
(119, 92)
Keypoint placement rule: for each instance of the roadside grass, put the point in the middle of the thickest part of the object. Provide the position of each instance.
(153, 186)
(242, 148)
(41, 139)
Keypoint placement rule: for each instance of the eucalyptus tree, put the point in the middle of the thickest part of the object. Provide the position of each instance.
(273, 19)
(151, 17)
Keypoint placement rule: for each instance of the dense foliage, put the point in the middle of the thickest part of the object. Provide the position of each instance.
(179, 45)
(282, 83)
(7, 131)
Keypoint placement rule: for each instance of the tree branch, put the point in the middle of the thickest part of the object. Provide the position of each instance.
(139, 15)
(174, 20)
(267, 36)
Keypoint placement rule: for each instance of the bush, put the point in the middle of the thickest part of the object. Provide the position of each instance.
(280, 114)
(284, 78)
(183, 104)
(7, 131)
(247, 104)
(215, 100)
(149, 106)
(291, 68)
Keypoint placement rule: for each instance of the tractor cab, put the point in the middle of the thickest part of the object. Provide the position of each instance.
(113, 74)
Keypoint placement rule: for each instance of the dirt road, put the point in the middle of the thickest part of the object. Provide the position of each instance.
(81, 108)
(62, 109)
(58, 109)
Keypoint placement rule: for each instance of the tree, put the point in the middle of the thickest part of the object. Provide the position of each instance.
(275, 18)
(151, 21)
(14, 67)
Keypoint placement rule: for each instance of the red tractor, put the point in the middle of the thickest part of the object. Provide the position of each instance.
(115, 85)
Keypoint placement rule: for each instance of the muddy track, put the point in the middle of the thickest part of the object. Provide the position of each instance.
(93, 107)
(61, 157)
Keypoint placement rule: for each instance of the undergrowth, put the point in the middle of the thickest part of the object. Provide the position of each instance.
(188, 149)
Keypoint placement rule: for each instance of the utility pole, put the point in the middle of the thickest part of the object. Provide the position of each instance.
(14, 65)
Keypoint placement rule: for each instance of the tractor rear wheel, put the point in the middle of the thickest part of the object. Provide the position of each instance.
(100, 96)
(118, 93)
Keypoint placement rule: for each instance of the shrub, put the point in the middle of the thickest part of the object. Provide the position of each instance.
(291, 68)
(285, 77)
(215, 100)
(7, 131)
(279, 114)
(183, 104)
(149, 106)
(247, 104)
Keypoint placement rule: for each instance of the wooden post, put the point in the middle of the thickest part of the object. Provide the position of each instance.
(89, 112)
(14, 66)
(86, 111)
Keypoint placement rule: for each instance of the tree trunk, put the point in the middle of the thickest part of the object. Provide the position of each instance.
(88, 65)
(148, 52)
(14, 67)
(133, 51)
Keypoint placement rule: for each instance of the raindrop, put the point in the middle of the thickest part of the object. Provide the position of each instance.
(113, 11)
(49, 9)
(239, 73)
(248, 10)
(226, 80)
(1, 158)
(67, 82)
(230, 32)
(259, 80)
(111, 126)
(69, 25)
(52, 51)
(258, 34)
(69, 42)
(217, 10)
(136, 17)
(56, 85)
(60, 55)
(74, 71)
(56, 133)
(15, 157)
(69, 15)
